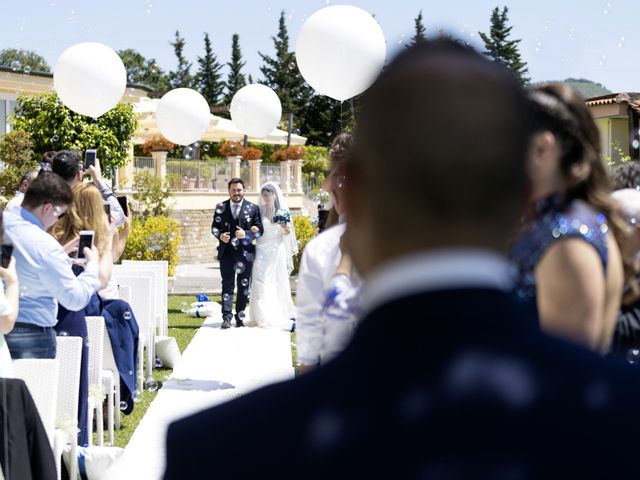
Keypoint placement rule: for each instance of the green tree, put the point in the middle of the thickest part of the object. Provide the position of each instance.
(500, 48)
(16, 152)
(208, 79)
(282, 75)
(23, 60)
(181, 77)
(326, 117)
(144, 71)
(419, 35)
(150, 196)
(236, 79)
(52, 126)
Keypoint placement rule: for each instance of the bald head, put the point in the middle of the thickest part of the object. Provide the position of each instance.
(439, 148)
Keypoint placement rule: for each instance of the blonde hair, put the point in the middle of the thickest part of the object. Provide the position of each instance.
(86, 212)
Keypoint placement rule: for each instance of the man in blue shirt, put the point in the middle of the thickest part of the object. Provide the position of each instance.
(44, 269)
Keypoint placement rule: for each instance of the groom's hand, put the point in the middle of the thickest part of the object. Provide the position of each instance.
(239, 233)
(225, 237)
(254, 229)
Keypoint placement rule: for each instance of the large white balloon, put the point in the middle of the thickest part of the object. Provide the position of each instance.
(183, 115)
(256, 110)
(340, 51)
(90, 78)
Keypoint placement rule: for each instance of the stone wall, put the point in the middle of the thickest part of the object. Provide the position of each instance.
(198, 245)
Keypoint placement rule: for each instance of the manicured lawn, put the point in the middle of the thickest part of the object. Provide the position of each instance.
(183, 328)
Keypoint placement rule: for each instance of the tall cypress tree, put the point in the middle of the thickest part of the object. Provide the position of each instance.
(236, 79)
(500, 48)
(181, 77)
(208, 77)
(420, 34)
(282, 75)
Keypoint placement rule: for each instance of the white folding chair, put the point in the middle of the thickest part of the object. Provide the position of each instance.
(141, 302)
(41, 378)
(161, 270)
(111, 374)
(69, 356)
(97, 390)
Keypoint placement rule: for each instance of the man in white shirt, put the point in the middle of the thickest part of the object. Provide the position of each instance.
(25, 181)
(447, 375)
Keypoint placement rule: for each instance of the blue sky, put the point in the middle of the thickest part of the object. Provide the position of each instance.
(594, 39)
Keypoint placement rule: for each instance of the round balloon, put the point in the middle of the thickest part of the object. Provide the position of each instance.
(256, 110)
(182, 116)
(90, 78)
(340, 51)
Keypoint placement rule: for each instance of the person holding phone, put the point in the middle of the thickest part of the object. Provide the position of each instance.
(87, 223)
(44, 268)
(70, 166)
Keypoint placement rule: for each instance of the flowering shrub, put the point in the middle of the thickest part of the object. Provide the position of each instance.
(231, 149)
(304, 232)
(156, 238)
(157, 143)
(251, 153)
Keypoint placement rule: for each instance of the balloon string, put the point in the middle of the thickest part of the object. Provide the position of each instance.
(341, 119)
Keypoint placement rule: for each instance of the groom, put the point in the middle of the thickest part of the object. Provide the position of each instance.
(232, 222)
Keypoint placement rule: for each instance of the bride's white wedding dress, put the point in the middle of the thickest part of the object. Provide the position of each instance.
(270, 304)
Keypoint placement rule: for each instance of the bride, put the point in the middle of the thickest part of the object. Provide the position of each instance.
(271, 303)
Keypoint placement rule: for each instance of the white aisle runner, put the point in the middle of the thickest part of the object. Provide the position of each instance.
(217, 366)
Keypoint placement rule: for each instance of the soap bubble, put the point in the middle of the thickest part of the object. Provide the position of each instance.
(151, 384)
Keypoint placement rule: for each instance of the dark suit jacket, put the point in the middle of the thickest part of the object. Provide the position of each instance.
(448, 384)
(223, 221)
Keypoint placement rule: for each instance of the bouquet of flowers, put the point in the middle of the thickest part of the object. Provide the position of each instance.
(282, 215)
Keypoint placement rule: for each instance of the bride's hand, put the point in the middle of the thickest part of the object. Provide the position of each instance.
(285, 228)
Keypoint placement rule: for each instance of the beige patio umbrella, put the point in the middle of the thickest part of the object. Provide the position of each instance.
(219, 128)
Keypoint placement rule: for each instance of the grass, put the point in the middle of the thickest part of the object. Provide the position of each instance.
(183, 328)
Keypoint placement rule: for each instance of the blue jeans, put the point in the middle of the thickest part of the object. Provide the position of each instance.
(30, 341)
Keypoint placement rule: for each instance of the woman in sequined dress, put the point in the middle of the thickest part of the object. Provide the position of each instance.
(566, 253)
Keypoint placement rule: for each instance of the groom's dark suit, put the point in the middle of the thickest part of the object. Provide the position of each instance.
(236, 257)
(469, 389)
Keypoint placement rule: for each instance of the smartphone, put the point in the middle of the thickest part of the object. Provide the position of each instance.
(86, 240)
(5, 258)
(89, 158)
(107, 209)
(123, 203)
(323, 214)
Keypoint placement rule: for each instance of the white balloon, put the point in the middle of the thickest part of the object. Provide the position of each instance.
(256, 110)
(90, 78)
(182, 116)
(340, 51)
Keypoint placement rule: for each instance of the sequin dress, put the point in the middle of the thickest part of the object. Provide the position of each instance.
(552, 221)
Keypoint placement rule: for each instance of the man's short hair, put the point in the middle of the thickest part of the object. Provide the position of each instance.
(443, 130)
(67, 164)
(29, 176)
(48, 187)
(236, 180)
(626, 175)
(629, 201)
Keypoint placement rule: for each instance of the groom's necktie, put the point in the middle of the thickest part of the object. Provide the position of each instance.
(236, 210)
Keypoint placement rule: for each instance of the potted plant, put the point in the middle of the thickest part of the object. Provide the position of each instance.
(231, 149)
(295, 152)
(281, 155)
(157, 143)
(251, 153)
